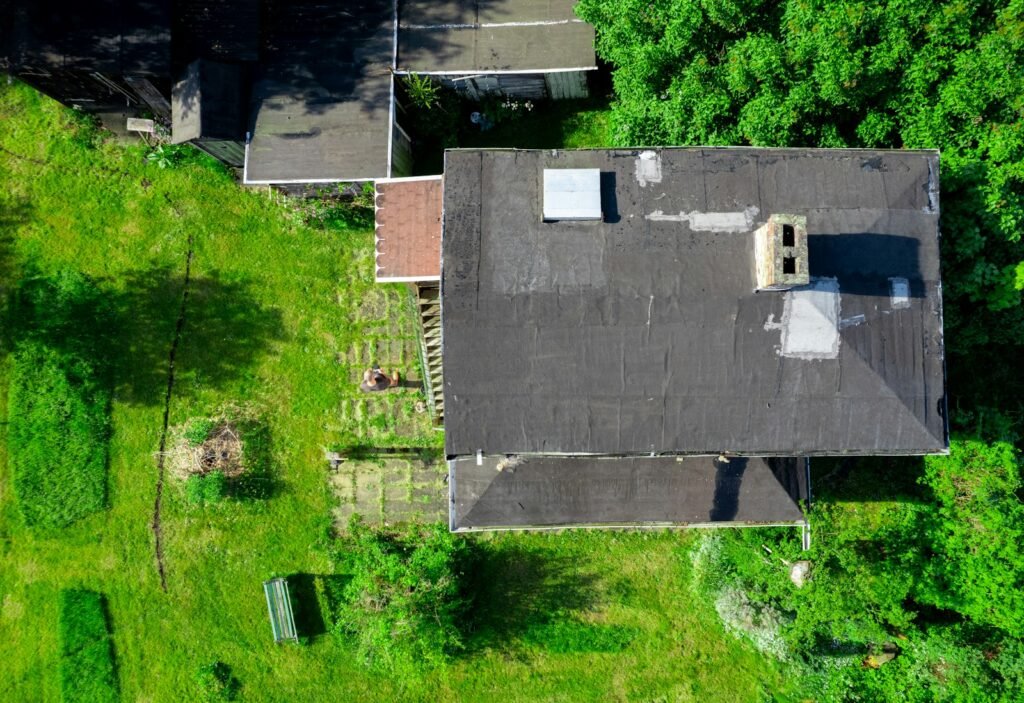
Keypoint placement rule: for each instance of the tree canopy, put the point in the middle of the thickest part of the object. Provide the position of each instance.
(934, 74)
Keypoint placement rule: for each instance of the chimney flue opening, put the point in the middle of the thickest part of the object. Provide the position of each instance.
(788, 236)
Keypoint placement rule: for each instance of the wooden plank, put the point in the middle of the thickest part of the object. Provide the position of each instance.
(565, 85)
(150, 95)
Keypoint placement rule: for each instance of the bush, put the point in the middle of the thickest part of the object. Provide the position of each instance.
(217, 683)
(976, 534)
(405, 598)
(86, 654)
(58, 415)
(198, 430)
(206, 489)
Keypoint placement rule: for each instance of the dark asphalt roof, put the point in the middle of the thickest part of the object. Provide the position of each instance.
(479, 35)
(582, 491)
(321, 103)
(218, 30)
(643, 333)
(107, 36)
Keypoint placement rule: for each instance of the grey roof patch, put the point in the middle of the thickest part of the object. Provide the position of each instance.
(452, 36)
(637, 335)
(322, 101)
(810, 321)
(547, 492)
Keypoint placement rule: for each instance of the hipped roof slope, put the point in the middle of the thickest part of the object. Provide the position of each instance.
(544, 492)
(643, 333)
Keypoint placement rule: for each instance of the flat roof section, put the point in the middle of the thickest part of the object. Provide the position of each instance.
(549, 492)
(493, 35)
(321, 105)
(407, 233)
(643, 333)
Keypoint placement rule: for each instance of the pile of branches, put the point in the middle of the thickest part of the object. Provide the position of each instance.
(221, 451)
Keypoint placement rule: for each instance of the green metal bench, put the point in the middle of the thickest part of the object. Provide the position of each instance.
(279, 605)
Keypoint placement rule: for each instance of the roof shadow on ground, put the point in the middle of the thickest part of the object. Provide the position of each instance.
(867, 479)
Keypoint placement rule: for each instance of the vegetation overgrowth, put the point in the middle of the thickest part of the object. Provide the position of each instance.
(281, 314)
(87, 671)
(57, 421)
(405, 599)
(916, 566)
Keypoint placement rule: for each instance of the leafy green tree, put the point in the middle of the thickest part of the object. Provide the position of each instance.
(976, 535)
(945, 74)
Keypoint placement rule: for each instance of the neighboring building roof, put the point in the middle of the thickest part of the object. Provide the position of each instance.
(539, 492)
(221, 30)
(321, 106)
(408, 229)
(643, 333)
(452, 36)
(209, 102)
(105, 36)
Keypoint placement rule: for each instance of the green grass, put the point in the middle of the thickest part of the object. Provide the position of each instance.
(561, 124)
(87, 673)
(58, 437)
(281, 317)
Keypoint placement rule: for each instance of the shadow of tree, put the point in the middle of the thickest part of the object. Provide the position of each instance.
(225, 332)
(14, 212)
(521, 592)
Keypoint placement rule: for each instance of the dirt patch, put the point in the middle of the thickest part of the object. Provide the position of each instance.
(222, 451)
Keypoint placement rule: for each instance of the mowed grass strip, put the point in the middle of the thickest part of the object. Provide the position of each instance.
(60, 397)
(58, 415)
(87, 673)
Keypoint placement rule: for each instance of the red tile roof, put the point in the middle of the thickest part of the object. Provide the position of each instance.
(408, 231)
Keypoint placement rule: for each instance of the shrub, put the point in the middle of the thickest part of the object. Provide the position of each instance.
(206, 489)
(976, 534)
(58, 415)
(405, 598)
(198, 429)
(217, 683)
(86, 655)
(423, 91)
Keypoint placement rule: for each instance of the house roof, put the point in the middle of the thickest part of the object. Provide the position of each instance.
(224, 30)
(105, 36)
(539, 492)
(322, 99)
(643, 333)
(408, 229)
(455, 36)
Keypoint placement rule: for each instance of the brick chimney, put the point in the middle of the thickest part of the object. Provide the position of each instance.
(780, 253)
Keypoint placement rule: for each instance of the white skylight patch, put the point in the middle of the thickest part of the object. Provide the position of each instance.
(810, 321)
(572, 194)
